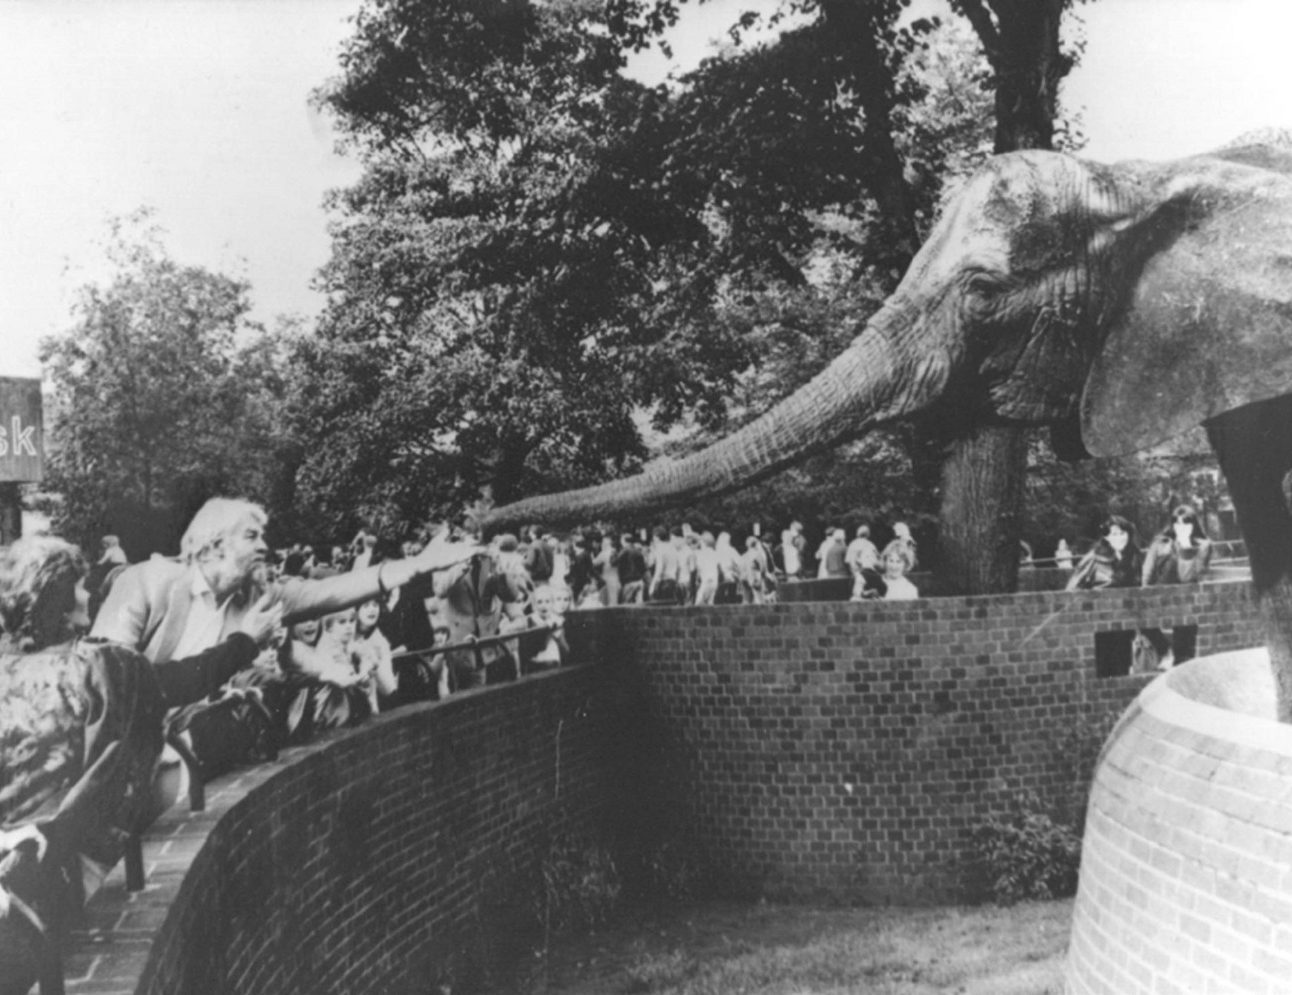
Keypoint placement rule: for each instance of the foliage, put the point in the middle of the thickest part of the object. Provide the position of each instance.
(155, 406)
(495, 306)
(1076, 749)
(580, 885)
(674, 872)
(887, 475)
(1070, 500)
(541, 250)
(416, 74)
(1025, 854)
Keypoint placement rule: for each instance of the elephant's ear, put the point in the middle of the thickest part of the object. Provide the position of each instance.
(1205, 325)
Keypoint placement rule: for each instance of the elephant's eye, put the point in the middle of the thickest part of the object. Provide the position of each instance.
(985, 286)
(982, 296)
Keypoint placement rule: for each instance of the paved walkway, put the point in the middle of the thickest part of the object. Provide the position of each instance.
(107, 954)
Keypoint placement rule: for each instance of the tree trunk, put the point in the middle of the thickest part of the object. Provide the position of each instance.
(982, 500)
(982, 484)
(508, 470)
(854, 28)
(10, 513)
(1028, 66)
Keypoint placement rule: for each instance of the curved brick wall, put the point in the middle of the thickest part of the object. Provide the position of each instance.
(846, 750)
(1186, 876)
(793, 750)
(385, 859)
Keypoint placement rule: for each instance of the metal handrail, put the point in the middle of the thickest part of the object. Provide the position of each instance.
(473, 642)
(1237, 548)
(197, 780)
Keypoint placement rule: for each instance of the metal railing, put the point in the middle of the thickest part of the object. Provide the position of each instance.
(477, 644)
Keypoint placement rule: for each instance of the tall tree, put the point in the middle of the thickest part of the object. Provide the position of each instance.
(151, 411)
(515, 280)
(983, 480)
(497, 282)
(541, 250)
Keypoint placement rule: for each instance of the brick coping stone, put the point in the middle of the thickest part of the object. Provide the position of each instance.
(1186, 876)
(1207, 694)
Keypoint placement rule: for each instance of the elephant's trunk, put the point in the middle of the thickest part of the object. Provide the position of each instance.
(865, 385)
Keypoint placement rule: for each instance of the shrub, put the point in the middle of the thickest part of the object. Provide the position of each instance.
(1076, 748)
(580, 885)
(674, 872)
(1027, 855)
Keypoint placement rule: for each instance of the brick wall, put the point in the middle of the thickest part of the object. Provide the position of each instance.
(792, 750)
(845, 750)
(1186, 877)
(386, 859)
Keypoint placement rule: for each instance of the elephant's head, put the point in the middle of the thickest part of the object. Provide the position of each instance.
(1139, 299)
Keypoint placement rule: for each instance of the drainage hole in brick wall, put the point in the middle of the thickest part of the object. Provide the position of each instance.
(1143, 651)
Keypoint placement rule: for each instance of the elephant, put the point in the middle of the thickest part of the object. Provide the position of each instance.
(1122, 305)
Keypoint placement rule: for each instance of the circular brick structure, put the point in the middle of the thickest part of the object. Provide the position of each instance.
(1186, 876)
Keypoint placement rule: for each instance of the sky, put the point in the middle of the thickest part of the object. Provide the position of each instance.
(199, 109)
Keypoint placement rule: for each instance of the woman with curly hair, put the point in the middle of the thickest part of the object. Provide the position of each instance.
(80, 738)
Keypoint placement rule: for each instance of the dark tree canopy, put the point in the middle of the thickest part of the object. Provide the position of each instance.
(544, 256)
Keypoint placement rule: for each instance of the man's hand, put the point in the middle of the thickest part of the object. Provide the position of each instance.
(441, 553)
(263, 619)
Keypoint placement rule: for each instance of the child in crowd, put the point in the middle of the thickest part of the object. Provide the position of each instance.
(424, 676)
(515, 618)
(897, 563)
(439, 666)
(562, 599)
(297, 653)
(547, 649)
(372, 652)
(335, 692)
(902, 535)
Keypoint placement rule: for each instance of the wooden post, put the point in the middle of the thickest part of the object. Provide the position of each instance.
(10, 513)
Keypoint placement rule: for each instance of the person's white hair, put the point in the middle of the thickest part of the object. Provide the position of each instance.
(214, 522)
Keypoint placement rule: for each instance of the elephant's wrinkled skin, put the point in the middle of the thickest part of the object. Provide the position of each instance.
(1132, 302)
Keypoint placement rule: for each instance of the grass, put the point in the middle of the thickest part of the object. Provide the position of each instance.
(724, 949)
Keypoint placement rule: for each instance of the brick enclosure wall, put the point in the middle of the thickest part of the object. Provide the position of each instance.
(387, 859)
(846, 750)
(792, 750)
(1186, 876)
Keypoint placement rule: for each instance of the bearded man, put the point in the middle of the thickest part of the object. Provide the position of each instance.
(168, 609)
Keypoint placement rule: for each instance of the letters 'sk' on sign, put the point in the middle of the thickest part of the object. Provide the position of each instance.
(22, 436)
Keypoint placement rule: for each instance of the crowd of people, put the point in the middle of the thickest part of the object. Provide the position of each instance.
(1178, 554)
(679, 565)
(188, 658)
(224, 654)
